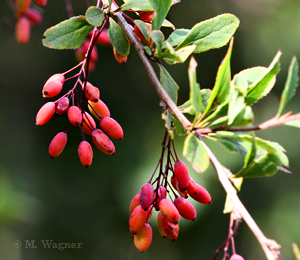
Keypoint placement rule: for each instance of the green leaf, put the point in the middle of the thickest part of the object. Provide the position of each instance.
(195, 153)
(178, 126)
(161, 8)
(69, 34)
(290, 86)
(195, 94)
(263, 85)
(157, 38)
(95, 16)
(173, 57)
(218, 112)
(222, 85)
(118, 38)
(144, 28)
(136, 5)
(212, 33)
(176, 37)
(168, 83)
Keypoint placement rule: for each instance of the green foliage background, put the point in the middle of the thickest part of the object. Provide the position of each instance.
(60, 200)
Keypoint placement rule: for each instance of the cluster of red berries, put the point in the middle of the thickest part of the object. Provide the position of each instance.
(26, 17)
(77, 116)
(181, 185)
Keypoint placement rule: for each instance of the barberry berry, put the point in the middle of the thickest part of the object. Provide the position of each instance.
(143, 238)
(111, 127)
(147, 16)
(198, 193)
(137, 219)
(98, 108)
(45, 113)
(236, 257)
(62, 105)
(171, 229)
(85, 153)
(102, 142)
(23, 5)
(22, 30)
(57, 144)
(146, 196)
(185, 208)
(75, 115)
(169, 210)
(52, 89)
(182, 174)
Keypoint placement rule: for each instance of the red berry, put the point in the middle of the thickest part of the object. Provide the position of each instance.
(33, 16)
(85, 153)
(40, 2)
(143, 238)
(111, 127)
(75, 115)
(102, 142)
(62, 105)
(171, 229)
(91, 93)
(134, 202)
(198, 193)
(169, 211)
(103, 38)
(120, 58)
(185, 208)
(183, 193)
(147, 16)
(23, 5)
(45, 113)
(57, 144)
(182, 174)
(236, 257)
(98, 108)
(22, 30)
(52, 88)
(58, 76)
(89, 123)
(139, 34)
(146, 196)
(160, 224)
(159, 194)
(137, 219)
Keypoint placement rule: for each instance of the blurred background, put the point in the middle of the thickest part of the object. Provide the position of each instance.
(60, 200)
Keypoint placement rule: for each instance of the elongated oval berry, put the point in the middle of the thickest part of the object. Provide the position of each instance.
(45, 113)
(198, 193)
(40, 2)
(143, 238)
(98, 109)
(159, 194)
(62, 105)
(182, 174)
(120, 58)
(91, 93)
(22, 30)
(85, 153)
(147, 16)
(34, 16)
(236, 257)
(23, 5)
(171, 229)
(134, 202)
(52, 88)
(58, 77)
(74, 115)
(160, 224)
(57, 144)
(89, 123)
(102, 142)
(139, 34)
(137, 219)
(182, 193)
(185, 208)
(103, 38)
(146, 195)
(169, 211)
(111, 127)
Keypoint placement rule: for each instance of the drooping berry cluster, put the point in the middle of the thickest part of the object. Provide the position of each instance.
(77, 115)
(158, 194)
(26, 17)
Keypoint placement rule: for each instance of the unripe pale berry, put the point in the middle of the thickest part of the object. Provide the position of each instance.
(23, 5)
(182, 174)
(102, 142)
(198, 193)
(146, 195)
(160, 225)
(236, 257)
(169, 211)
(85, 153)
(98, 108)
(45, 113)
(111, 127)
(57, 144)
(89, 123)
(171, 229)
(62, 105)
(143, 238)
(22, 30)
(74, 115)
(147, 16)
(120, 58)
(185, 208)
(52, 88)
(91, 93)
(40, 2)
(134, 202)
(137, 219)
